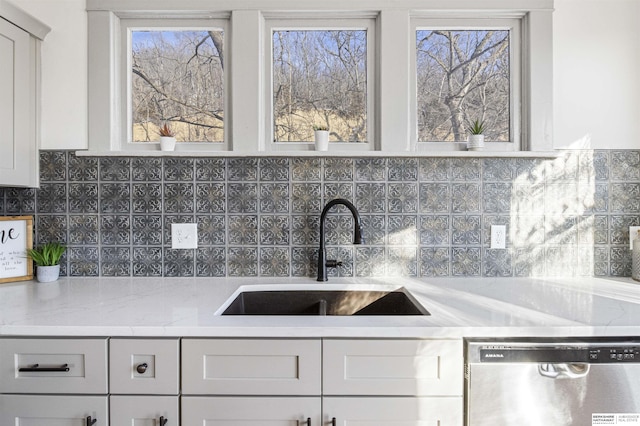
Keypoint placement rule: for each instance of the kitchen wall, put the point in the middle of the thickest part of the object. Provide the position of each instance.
(596, 84)
(259, 216)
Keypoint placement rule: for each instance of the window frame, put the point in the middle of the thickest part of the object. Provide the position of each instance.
(461, 23)
(129, 25)
(321, 23)
(245, 112)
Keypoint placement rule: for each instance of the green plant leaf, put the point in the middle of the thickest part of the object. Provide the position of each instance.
(48, 254)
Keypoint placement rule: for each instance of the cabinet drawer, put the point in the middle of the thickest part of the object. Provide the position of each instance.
(406, 411)
(144, 366)
(259, 411)
(144, 410)
(53, 410)
(53, 366)
(251, 367)
(392, 367)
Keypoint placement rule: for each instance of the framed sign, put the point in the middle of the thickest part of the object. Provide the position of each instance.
(16, 237)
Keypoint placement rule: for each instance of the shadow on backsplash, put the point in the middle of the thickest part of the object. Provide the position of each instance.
(260, 216)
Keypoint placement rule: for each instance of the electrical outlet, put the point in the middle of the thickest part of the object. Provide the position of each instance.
(633, 231)
(498, 236)
(184, 235)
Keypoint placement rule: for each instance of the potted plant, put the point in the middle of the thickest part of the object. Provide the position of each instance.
(47, 259)
(167, 138)
(321, 136)
(475, 141)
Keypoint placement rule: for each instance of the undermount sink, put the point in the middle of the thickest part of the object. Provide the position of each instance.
(325, 302)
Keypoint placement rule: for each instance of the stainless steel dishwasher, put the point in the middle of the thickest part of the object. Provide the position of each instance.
(552, 383)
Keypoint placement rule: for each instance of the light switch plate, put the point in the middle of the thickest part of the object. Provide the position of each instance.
(633, 231)
(498, 236)
(184, 235)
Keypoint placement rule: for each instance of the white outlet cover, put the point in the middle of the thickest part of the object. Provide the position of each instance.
(498, 237)
(184, 235)
(633, 231)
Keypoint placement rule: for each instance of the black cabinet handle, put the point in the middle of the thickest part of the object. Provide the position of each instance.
(333, 421)
(163, 421)
(90, 421)
(36, 367)
(308, 422)
(141, 368)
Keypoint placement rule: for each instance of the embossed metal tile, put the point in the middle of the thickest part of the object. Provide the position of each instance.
(274, 169)
(53, 166)
(116, 169)
(211, 262)
(51, 198)
(338, 169)
(146, 169)
(306, 169)
(435, 169)
(370, 169)
(625, 165)
(178, 169)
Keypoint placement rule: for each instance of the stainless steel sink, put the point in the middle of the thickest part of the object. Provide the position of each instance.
(325, 302)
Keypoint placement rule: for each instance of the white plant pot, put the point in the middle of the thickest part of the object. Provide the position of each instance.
(475, 142)
(167, 143)
(47, 274)
(322, 140)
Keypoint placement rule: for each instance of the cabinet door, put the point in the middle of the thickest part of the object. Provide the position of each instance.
(403, 411)
(251, 366)
(248, 411)
(144, 410)
(18, 150)
(61, 410)
(401, 367)
(144, 366)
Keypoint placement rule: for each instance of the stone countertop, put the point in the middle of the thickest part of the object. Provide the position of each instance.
(459, 307)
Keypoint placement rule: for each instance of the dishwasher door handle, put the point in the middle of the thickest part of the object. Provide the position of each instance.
(570, 370)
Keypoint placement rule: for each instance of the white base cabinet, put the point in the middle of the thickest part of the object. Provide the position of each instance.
(230, 382)
(49, 410)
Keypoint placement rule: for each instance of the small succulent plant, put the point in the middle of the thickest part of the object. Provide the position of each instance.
(48, 254)
(318, 127)
(477, 127)
(166, 131)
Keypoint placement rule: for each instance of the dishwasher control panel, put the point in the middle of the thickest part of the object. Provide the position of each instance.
(593, 354)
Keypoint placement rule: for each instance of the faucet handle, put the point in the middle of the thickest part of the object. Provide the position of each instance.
(332, 263)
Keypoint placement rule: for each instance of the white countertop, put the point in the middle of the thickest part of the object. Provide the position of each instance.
(459, 307)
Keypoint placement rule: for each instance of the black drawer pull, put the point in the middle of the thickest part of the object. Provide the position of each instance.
(163, 421)
(333, 421)
(141, 368)
(36, 367)
(90, 421)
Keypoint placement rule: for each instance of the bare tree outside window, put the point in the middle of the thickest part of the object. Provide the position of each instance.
(178, 78)
(462, 76)
(320, 78)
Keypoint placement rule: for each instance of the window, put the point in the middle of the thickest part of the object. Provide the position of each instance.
(463, 74)
(175, 73)
(321, 75)
(177, 77)
(233, 77)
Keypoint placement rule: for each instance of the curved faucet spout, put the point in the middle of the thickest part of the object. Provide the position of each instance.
(357, 233)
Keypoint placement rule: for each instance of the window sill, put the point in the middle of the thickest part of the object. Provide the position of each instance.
(362, 154)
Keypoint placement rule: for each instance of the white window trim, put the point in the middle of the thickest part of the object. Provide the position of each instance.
(246, 119)
(513, 25)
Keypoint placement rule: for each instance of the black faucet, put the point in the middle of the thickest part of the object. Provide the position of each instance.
(357, 236)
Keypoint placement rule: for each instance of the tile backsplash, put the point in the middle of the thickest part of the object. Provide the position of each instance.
(259, 216)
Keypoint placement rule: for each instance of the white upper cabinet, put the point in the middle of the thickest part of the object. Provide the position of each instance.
(20, 37)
